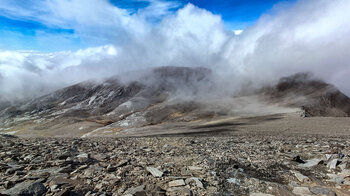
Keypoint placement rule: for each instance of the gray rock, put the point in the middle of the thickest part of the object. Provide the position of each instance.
(345, 173)
(233, 181)
(194, 168)
(83, 157)
(180, 191)
(260, 194)
(135, 190)
(310, 163)
(199, 184)
(332, 164)
(321, 191)
(342, 166)
(293, 184)
(303, 191)
(13, 169)
(154, 171)
(28, 158)
(177, 183)
(26, 188)
(336, 179)
(300, 176)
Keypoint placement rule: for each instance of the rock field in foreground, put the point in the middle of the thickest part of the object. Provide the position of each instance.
(235, 165)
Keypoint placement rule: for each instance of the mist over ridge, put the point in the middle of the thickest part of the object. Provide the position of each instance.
(309, 36)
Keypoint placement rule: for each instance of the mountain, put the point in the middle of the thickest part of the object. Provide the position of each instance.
(313, 96)
(165, 99)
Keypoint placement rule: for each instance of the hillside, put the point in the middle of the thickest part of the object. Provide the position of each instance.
(167, 100)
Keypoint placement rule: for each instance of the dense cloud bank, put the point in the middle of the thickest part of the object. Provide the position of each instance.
(311, 35)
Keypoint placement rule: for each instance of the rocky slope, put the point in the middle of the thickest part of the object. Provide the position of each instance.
(247, 164)
(166, 98)
(314, 96)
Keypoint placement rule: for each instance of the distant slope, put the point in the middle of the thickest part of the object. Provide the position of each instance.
(314, 97)
(163, 97)
(112, 100)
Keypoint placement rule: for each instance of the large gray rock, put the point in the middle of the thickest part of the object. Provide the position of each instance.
(154, 171)
(321, 191)
(26, 189)
(310, 163)
(174, 183)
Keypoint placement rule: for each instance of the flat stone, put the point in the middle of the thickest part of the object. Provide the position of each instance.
(83, 157)
(293, 184)
(336, 179)
(154, 171)
(303, 191)
(26, 188)
(135, 190)
(332, 164)
(63, 181)
(321, 191)
(300, 176)
(310, 163)
(194, 168)
(345, 173)
(180, 191)
(13, 169)
(177, 183)
(342, 166)
(260, 194)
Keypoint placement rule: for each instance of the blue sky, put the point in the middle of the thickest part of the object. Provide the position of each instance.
(24, 25)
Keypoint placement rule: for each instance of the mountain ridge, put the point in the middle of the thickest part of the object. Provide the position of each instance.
(166, 96)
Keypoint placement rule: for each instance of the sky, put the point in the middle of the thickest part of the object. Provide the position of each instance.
(24, 26)
(50, 44)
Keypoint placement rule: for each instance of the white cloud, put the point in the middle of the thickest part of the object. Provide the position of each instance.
(237, 32)
(26, 74)
(94, 21)
(313, 35)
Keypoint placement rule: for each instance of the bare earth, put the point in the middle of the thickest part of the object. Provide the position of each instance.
(280, 154)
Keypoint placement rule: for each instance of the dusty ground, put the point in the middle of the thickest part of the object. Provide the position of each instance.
(278, 154)
(284, 123)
